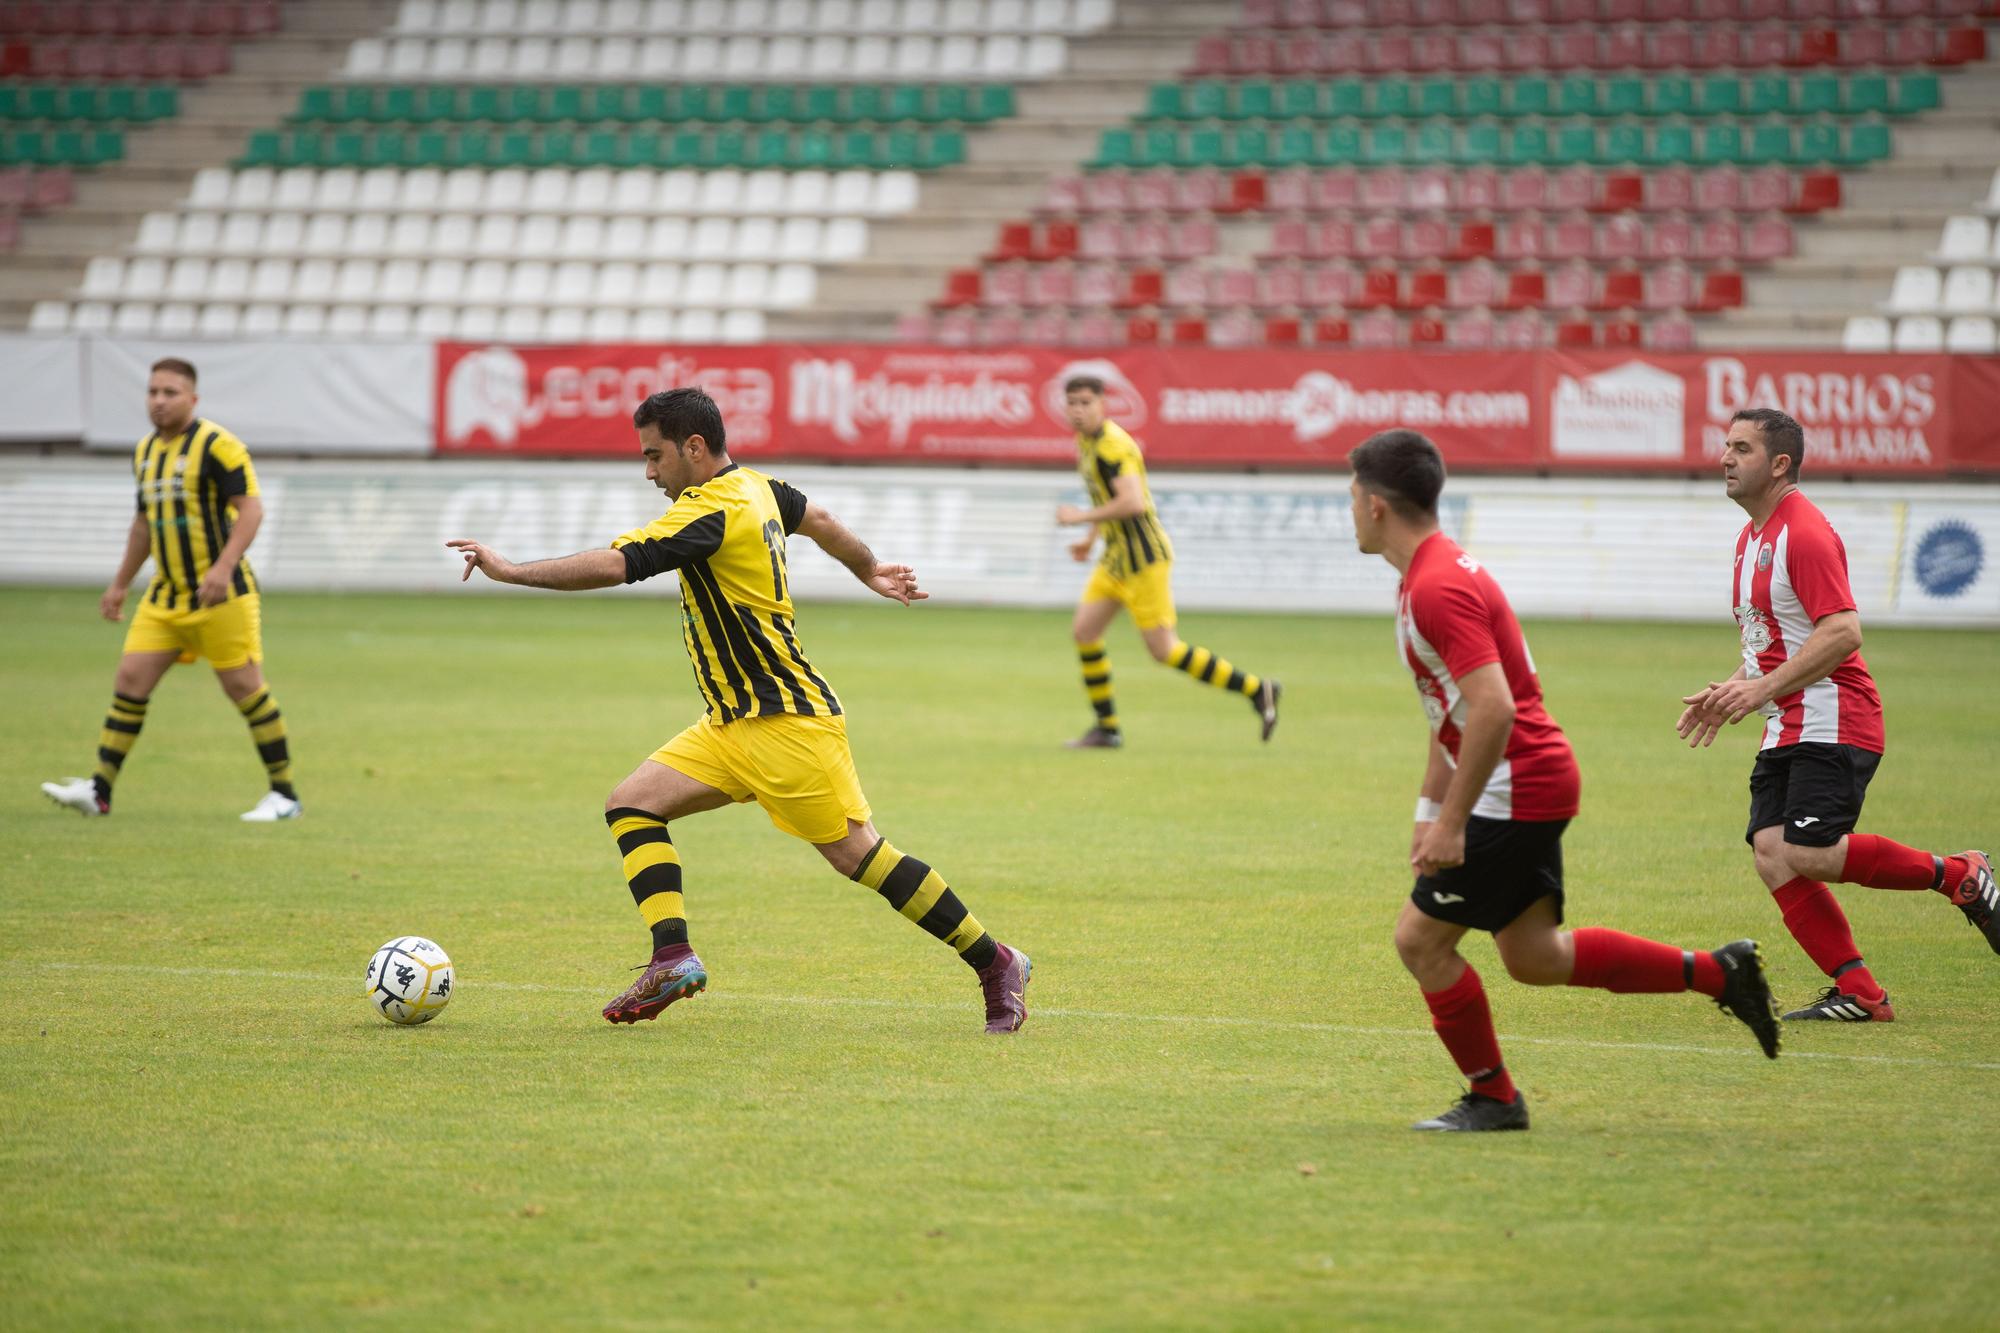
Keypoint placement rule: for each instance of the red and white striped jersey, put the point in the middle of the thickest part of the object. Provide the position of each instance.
(1451, 620)
(1789, 576)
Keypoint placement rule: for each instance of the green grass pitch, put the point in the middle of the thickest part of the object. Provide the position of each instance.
(1203, 1125)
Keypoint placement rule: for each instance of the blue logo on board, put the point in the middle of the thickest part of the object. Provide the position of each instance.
(1949, 558)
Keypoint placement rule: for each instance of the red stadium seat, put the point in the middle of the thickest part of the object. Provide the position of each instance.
(1473, 285)
(1051, 285)
(1767, 188)
(1818, 191)
(1669, 188)
(1573, 49)
(1622, 333)
(961, 288)
(1622, 236)
(1004, 286)
(1619, 191)
(1016, 241)
(1381, 287)
(1189, 330)
(1428, 287)
(1576, 333)
(1962, 46)
(1622, 287)
(1913, 45)
(1427, 238)
(1282, 331)
(1143, 286)
(1280, 286)
(1058, 240)
(1817, 46)
(1523, 238)
(1721, 289)
(1142, 329)
(1572, 188)
(1476, 240)
(1622, 48)
(1478, 188)
(1720, 237)
(1670, 48)
(1246, 193)
(1770, 238)
(1669, 238)
(1671, 333)
(1669, 287)
(1471, 332)
(1426, 330)
(1864, 44)
(1332, 284)
(1332, 331)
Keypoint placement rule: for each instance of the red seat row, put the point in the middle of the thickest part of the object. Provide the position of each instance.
(1621, 237)
(166, 59)
(28, 190)
(1236, 328)
(1492, 13)
(1465, 190)
(1560, 49)
(147, 18)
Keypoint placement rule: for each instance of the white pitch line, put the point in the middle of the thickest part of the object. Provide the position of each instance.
(1099, 1015)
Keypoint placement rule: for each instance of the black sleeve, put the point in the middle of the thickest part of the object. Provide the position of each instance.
(791, 505)
(656, 555)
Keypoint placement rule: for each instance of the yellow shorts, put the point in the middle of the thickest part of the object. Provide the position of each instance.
(798, 768)
(229, 635)
(1148, 594)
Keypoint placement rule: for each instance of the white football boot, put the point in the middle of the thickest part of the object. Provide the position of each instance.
(78, 794)
(271, 809)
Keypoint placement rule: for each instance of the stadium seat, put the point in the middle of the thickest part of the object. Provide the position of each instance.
(1918, 333)
(1970, 334)
(1917, 288)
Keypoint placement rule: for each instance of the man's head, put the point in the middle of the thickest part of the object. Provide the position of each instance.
(170, 395)
(1397, 477)
(1083, 398)
(680, 433)
(1762, 455)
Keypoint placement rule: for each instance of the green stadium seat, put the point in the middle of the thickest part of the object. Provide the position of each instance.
(1528, 146)
(301, 148)
(900, 149)
(771, 148)
(1115, 148)
(383, 148)
(1160, 147)
(648, 101)
(994, 101)
(116, 101)
(1721, 146)
(43, 101)
(686, 148)
(1295, 147)
(1773, 144)
(23, 148)
(1818, 143)
(67, 148)
(513, 148)
(1672, 96)
(1432, 144)
(347, 148)
(436, 103)
(854, 148)
(1769, 94)
(1530, 97)
(1202, 149)
(564, 102)
(1480, 144)
(429, 148)
(1624, 143)
(904, 102)
(1575, 145)
(1818, 95)
(1915, 92)
(263, 150)
(394, 104)
(1866, 93)
(1386, 146)
(1342, 146)
(106, 146)
(864, 103)
(820, 101)
(1672, 145)
(1437, 97)
(481, 102)
(691, 101)
(1393, 97)
(1255, 99)
(1721, 95)
(1207, 100)
(942, 148)
(727, 148)
(773, 102)
(1623, 97)
(606, 102)
(733, 102)
(1249, 146)
(11, 104)
(1346, 97)
(315, 103)
(519, 102)
(1483, 97)
(1298, 99)
(949, 102)
(1867, 142)
(470, 148)
(598, 149)
(812, 148)
(1577, 97)
(1164, 102)
(643, 148)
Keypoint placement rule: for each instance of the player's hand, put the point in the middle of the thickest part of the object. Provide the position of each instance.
(495, 566)
(1069, 516)
(112, 605)
(1080, 551)
(214, 588)
(1694, 726)
(898, 583)
(1734, 700)
(1438, 847)
(1417, 834)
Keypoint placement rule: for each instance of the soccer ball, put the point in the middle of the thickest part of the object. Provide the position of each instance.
(409, 980)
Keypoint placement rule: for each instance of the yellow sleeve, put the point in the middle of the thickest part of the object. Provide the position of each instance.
(231, 463)
(691, 530)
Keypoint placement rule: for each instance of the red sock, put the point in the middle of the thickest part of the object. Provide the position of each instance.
(1814, 917)
(1628, 965)
(1465, 1025)
(1880, 863)
(1956, 868)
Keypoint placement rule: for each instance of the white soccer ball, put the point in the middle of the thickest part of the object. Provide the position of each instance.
(409, 980)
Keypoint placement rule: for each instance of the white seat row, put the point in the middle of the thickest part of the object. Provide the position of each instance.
(1966, 289)
(1968, 240)
(608, 17)
(826, 58)
(636, 191)
(521, 324)
(528, 282)
(501, 236)
(1974, 334)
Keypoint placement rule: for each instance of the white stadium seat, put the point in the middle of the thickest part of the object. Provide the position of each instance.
(90, 317)
(368, 234)
(1916, 288)
(697, 326)
(521, 324)
(850, 192)
(746, 285)
(625, 237)
(144, 278)
(547, 191)
(1972, 334)
(714, 238)
(410, 234)
(468, 189)
(528, 282)
(242, 234)
(793, 287)
(540, 237)
(499, 15)
(448, 58)
(365, 59)
(294, 189)
(573, 283)
(313, 280)
(262, 321)
(305, 321)
(452, 235)
(252, 188)
(667, 236)
(326, 234)
(358, 281)
(271, 280)
(703, 284)
(48, 317)
(742, 326)
(477, 324)
(563, 326)
(103, 277)
(495, 236)
(844, 238)
(220, 320)
(608, 326)
(652, 326)
(159, 234)
(582, 238)
(434, 321)
(763, 192)
(389, 321)
(229, 279)
(1964, 237)
(1968, 289)
(485, 281)
(613, 284)
(335, 188)
(134, 319)
(201, 234)
(176, 319)
(187, 280)
(211, 188)
(416, 16)
(660, 284)
(1919, 333)
(347, 321)
(633, 191)
(285, 234)
(402, 278)
(383, 189)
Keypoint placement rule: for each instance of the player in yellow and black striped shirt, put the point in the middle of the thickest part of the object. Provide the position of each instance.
(1135, 571)
(773, 731)
(198, 510)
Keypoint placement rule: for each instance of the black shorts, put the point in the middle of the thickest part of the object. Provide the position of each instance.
(1813, 788)
(1509, 866)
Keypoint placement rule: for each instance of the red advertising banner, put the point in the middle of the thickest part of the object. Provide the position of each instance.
(1201, 407)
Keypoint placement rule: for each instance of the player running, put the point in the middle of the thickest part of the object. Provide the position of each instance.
(774, 731)
(1802, 669)
(198, 513)
(1500, 785)
(1135, 572)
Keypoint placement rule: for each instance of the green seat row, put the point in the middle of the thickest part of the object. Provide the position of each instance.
(755, 104)
(1442, 143)
(919, 150)
(1715, 95)
(60, 148)
(88, 102)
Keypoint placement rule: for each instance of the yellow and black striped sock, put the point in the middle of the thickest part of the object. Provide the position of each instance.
(1209, 669)
(267, 728)
(920, 893)
(115, 741)
(1097, 682)
(653, 869)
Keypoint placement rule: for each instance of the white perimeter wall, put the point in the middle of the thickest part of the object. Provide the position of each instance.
(1566, 548)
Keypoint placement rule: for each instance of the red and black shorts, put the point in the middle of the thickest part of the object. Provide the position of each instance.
(1509, 866)
(1813, 788)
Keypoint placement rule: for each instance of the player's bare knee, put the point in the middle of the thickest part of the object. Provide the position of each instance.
(1163, 650)
(1536, 967)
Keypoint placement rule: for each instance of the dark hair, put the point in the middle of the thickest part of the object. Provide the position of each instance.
(1403, 468)
(1086, 382)
(177, 366)
(682, 412)
(1781, 434)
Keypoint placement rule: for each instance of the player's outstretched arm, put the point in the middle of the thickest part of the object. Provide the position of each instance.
(1695, 726)
(1833, 637)
(898, 583)
(569, 573)
(1128, 500)
(138, 545)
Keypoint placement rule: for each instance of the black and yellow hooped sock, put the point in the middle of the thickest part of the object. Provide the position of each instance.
(920, 893)
(115, 741)
(267, 728)
(653, 869)
(1097, 682)
(1209, 669)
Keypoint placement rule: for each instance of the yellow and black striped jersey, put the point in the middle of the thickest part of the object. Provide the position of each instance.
(187, 488)
(1130, 544)
(727, 539)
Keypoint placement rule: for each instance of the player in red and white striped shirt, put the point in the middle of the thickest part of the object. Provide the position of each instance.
(1500, 786)
(1802, 670)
